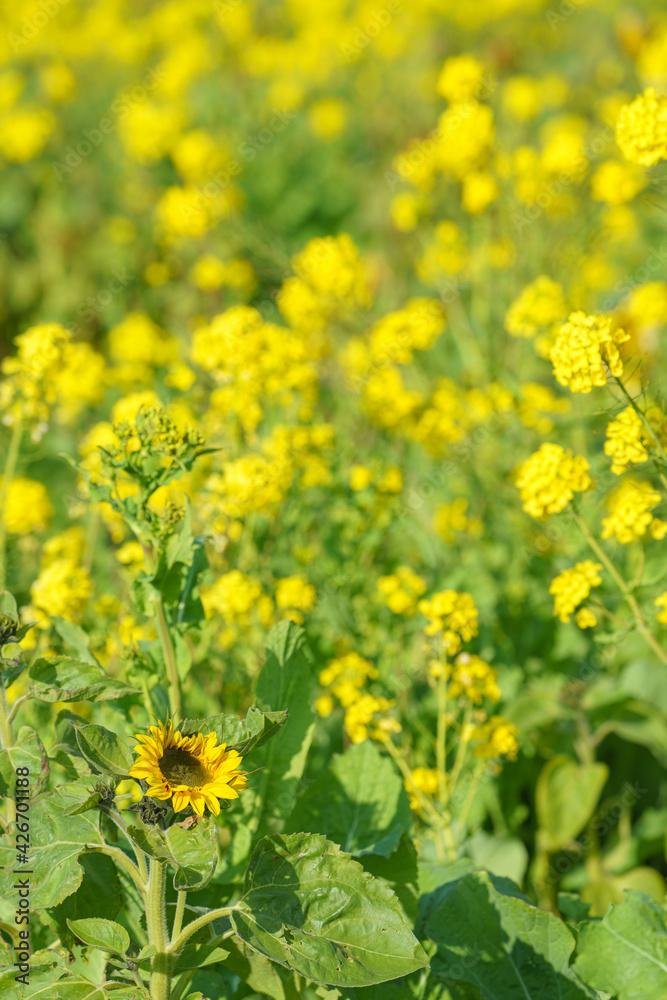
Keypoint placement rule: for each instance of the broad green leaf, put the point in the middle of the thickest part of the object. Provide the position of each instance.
(501, 855)
(29, 752)
(266, 978)
(625, 953)
(358, 801)
(62, 678)
(565, 798)
(242, 735)
(284, 683)
(400, 872)
(99, 895)
(74, 637)
(104, 750)
(81, 807)
(196, 956)
(56, 843)
(503, 945)
(100, 933)
(312, 908)
(193, 852)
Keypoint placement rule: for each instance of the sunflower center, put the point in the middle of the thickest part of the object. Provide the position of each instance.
(181, 768)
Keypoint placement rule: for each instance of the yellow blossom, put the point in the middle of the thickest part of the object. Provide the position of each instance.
(28, 507)
(572, 586)
(549, 479)
(630, 516)
(586, 349)
(641, 130)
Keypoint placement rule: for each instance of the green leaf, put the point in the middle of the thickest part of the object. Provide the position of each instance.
(625, 953)
(29, 752)
(400, 872)
(196, 956)
(56, 843)
(310, 907)
(284, 683)
(565, 798)
(99, 895)
(62, 678)
(8, 604)
(104, 750)
(100, 933)
(259, 974)
(502, 944)
(242, 735)
(193, 853)
(358, 801)
(74, 637)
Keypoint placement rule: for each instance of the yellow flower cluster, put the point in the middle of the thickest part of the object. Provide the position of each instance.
(626, 441)
(62, 588)
(616, 183)
(138, 346)
(498, 737)
(549, 479)
(330, 280)
(537, 308)
(28, 507)
(472, 678)
(641, 130)
(427, 780)
(361, 721)
(454, 614)
(236, 597)
(49, 369)
(630, 507)
(401, 590)
(452, 518)
(294, 595)
(572, 586)
(344, 676)
(67, 544)
(661, 602)
(255, 363)
(586, 348)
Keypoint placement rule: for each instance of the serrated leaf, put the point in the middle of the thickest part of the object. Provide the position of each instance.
(104, 750)
(313, 909)
(99, 895)
(28, 752)
(56, 843)
(63, 678)
(100, 933)
(502, 944)
(358, 801)
(625, 953)
(192, 853)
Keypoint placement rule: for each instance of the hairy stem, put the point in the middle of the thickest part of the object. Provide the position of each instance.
(178, 916)
(181, 939)
(162, 962)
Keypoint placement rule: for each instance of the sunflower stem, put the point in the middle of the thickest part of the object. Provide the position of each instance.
(162, 962)
(181, 940)
(178, 916)
(175, 703)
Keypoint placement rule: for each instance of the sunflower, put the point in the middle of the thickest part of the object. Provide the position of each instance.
(191, 770)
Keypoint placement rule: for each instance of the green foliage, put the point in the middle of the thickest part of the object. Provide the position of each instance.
(358, 802)
(310, 907)
(502, 944)
(625, 953)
